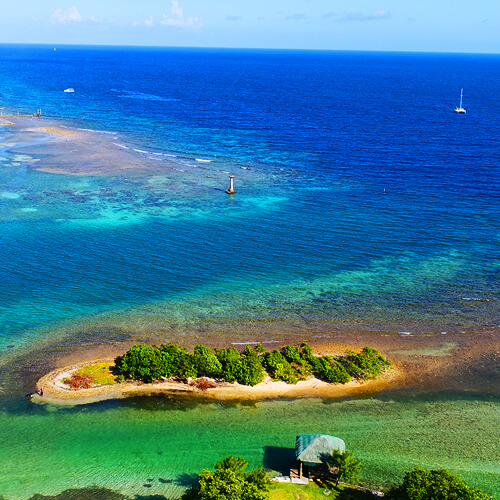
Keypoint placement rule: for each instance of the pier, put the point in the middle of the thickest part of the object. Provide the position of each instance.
(4, 121)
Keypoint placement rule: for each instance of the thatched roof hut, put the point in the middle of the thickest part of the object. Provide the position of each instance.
(311, 449)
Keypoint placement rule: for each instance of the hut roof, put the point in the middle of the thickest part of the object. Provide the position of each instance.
(311, 448)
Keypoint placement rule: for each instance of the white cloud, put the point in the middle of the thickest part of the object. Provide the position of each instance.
(149, 21)
(296, 17)
(71, 15)
(358, 16)
(177, 18)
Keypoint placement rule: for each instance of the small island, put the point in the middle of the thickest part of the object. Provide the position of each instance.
(254, 373)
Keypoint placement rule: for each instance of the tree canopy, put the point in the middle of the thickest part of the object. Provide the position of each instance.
(436, 484)
(229, 481)
(290, 364)
(346, 466)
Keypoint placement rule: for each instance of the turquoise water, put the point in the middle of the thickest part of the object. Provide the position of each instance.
(123, 445)
(354, 212)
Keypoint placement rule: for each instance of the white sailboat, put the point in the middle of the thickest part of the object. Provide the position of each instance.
(460, 109)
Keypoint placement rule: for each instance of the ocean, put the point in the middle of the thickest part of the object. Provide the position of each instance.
(363, 204)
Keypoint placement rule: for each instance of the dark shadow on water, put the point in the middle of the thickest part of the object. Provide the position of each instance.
(84, 494)
(279, 459)
(186, 480)
(151, 497)
(95, 494)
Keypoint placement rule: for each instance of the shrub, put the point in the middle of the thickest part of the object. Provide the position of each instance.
(245, 368)
(78, 381)
(231, 361)
(181, 362)
(259, 348)
(291, 353)
(347, 466)
(436, 484)
(329, 370)
(206, 362)
(142, 362)
(279, 368)
(368, 364)
(204, 383)
(229, 481)
(251, 370)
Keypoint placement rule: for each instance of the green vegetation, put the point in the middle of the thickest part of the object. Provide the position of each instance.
(100, 372)
(344, 466)
(289, 364)
(229, 481)
(313, 491)
(436, 484)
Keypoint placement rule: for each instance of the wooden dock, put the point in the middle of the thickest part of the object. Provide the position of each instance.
(5, 121)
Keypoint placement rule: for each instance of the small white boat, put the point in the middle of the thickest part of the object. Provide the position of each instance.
(69, 90)
(460, 109)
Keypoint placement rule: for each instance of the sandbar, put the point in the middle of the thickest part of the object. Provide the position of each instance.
(55, 391)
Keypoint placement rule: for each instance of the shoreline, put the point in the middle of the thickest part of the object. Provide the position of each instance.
(55, 391)
(422, 364)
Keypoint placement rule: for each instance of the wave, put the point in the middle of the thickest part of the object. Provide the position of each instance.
(130, 94)
(108, 132)
(203, 161)
(256, 342)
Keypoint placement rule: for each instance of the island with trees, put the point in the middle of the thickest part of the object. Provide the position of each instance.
(289, 364)
(254, 372)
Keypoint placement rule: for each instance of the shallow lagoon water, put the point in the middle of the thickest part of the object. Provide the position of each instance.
(121, 445)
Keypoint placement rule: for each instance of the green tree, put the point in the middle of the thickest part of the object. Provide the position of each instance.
(229, 481)
(279, 368)
(436, 484)
(259, 348)
(181, 361)
(368, 364)
(331, 371)
(231, 361)
(251, 370)
(345, 466)
(142, 362)
(206, 362)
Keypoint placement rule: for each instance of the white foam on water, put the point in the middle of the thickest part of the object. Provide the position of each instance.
(94, 131)
(203, 161)
(120, 145)
(256, 342)
(9, 196)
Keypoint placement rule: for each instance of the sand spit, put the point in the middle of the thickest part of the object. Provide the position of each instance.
(55, 391)
(424, 363)
(73, 151)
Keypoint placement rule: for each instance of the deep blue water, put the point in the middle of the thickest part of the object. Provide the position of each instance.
(363, 200)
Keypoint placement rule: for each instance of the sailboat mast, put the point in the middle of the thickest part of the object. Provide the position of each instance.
(461, 94)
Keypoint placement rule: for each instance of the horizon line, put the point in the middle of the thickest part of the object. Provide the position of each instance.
(288, 49)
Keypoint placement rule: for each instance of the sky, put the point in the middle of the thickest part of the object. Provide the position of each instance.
(394, 25)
